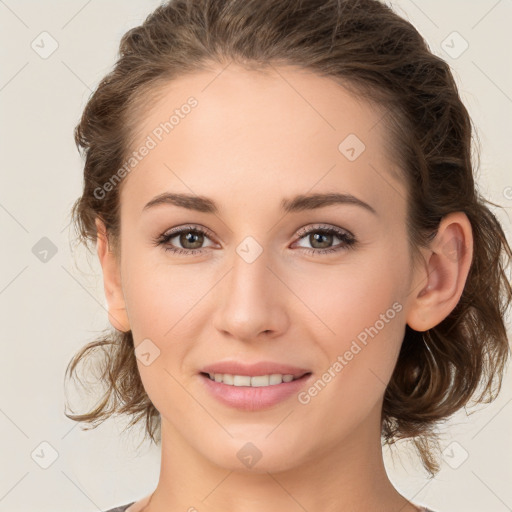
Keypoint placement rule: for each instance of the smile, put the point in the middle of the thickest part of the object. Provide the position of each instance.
(253, 393)
(252, 381)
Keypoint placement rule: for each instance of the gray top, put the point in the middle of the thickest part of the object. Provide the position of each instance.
(122, 508)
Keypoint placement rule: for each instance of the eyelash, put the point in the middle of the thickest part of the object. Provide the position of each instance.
(348, 240)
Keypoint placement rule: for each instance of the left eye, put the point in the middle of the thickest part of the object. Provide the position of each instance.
(192, 238)
(324, 236)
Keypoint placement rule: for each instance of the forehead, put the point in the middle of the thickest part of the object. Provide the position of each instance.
(285, 129)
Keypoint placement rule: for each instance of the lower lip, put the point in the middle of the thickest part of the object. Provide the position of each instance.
(247, 398)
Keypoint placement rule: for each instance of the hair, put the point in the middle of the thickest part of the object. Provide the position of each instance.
(381, 58)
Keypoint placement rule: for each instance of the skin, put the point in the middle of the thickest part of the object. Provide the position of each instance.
(253, 140)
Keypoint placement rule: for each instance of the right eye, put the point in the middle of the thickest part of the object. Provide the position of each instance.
(185, 235)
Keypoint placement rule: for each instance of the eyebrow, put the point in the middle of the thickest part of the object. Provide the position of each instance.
(296, 204)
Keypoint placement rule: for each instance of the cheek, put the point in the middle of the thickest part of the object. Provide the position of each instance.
(369, 331)
(363, 308)
(351, 298)
(360, 360)
(160, 299)
(162, 307)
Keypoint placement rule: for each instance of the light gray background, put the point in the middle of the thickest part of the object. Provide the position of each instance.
(51, 309)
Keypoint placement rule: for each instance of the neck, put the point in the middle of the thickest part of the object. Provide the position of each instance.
(347, 477)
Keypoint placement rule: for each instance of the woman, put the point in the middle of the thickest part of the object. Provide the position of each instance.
(296, 262)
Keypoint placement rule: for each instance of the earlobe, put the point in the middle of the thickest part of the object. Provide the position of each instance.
(117, 314)
(438, 286)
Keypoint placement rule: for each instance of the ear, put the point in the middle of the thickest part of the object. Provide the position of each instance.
(439, 283)
(111, 280)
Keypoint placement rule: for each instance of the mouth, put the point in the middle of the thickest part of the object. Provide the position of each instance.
(254, 381)
(249, 393)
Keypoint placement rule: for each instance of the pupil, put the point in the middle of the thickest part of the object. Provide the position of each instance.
(189, 238)
(317, 237)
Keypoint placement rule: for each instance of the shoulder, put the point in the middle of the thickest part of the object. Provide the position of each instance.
(121, 508)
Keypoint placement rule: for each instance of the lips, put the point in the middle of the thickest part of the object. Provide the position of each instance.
(250, 399)
(254, 369)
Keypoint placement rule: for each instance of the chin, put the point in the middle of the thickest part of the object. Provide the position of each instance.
(259, 456)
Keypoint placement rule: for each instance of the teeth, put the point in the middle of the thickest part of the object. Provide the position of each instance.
(247, 380)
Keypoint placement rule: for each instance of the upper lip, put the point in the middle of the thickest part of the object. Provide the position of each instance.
(254, 369)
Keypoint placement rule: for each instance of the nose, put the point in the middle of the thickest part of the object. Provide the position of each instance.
(250, 301)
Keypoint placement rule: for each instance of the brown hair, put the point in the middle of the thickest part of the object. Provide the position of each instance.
(380, 57)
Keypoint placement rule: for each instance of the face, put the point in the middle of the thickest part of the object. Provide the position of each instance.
(321, 286)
